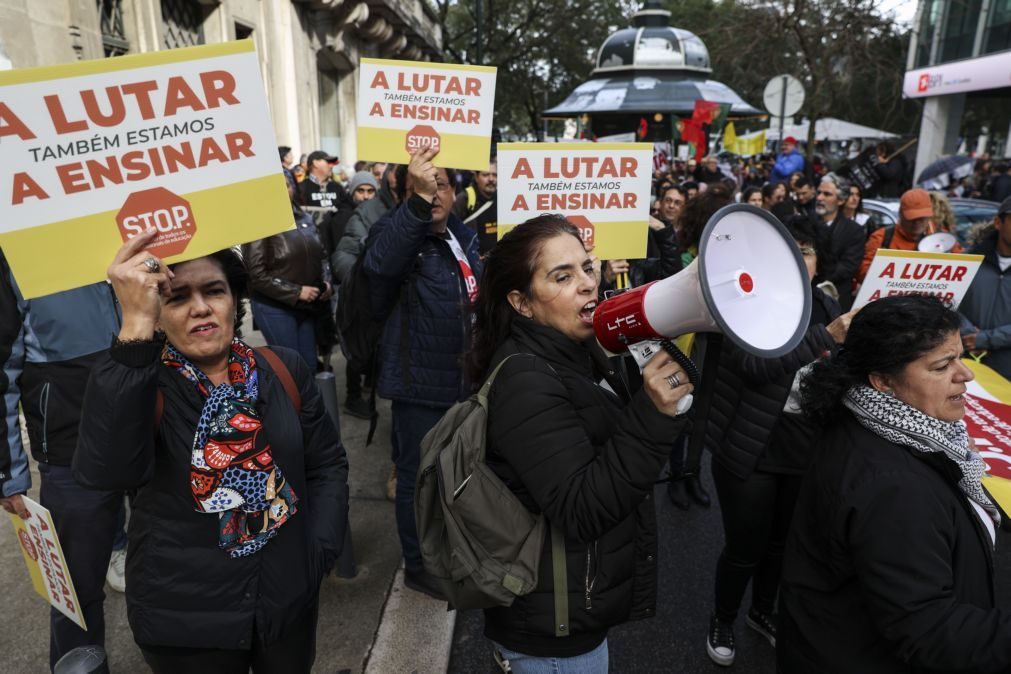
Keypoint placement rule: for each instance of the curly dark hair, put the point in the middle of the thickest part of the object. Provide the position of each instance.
(884, 337)
(237, 277)
(697, 212)
(509, 266)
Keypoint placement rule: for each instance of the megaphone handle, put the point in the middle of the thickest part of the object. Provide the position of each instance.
(683, 360)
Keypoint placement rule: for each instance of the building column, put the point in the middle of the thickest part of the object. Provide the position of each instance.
(282, 80)
(939, 126)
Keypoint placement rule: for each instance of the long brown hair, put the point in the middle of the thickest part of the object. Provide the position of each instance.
(509, 266)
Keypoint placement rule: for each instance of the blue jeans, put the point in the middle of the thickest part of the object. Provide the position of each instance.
(594, 662)
(85, 521)
(285, 327)
(410, 424)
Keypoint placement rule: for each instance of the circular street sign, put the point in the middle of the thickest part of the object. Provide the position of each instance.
(775, 90)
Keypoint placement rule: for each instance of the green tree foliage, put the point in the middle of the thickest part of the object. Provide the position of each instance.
(543, 48)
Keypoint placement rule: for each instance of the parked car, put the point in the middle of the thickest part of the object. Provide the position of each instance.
(969, 213)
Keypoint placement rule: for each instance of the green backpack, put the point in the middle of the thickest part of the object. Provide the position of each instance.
(475, 534)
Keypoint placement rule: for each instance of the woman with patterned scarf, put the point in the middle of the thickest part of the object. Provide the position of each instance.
(889, 563)
(240, 475)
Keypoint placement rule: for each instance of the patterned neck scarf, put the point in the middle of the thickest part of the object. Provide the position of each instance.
(232, 470)
(895, 421)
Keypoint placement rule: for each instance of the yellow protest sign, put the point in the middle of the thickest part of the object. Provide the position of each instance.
(96, 151)
(909, 272)
(602, 188)
(407, 105)
(46, 564)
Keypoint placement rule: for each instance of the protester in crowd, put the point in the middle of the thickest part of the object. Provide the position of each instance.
(568, 447)
(287, 159)
(853, 208)
(772, 194)
(888, 562)
(944, 217)
(290, 284)
(362, 187)
(788, 162)
(803, 196)
(845, 239)
(226, 551)
(753, 196)
(349, 248)
(916, 214)
(478, 208)
(891, 170)
(669, 204)
(761, 447)
(691, 188)
(47, 348)
(319, 189)
(999, 187)
(423, 267)
(986, 308)
(298, 173)
(709, 171)
(378, 169)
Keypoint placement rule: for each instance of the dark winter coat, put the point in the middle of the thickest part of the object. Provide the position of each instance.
(183, 590)
(751, 391)
(281, 264)
(587, 459)
(893, 178)
(887, 568)
(416, 286)
(846, 241)
(987, 307)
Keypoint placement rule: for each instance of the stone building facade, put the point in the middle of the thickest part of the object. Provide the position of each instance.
(309, 50)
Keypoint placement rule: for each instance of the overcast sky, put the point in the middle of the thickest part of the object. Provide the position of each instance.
(902, 10)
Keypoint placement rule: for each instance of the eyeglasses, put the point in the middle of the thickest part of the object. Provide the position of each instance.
(441, 186)
(807, 251)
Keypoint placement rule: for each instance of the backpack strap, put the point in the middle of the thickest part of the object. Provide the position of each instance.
(282, 372)
(561, 581)
(276, 364)
(886, 240)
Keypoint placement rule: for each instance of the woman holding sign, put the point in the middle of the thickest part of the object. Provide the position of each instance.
(889, 562)
(240, 474)
(573, 440)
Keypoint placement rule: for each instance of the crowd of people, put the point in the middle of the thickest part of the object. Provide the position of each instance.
(850, 494)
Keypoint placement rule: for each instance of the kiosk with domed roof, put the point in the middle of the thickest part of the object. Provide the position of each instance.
(649, 71)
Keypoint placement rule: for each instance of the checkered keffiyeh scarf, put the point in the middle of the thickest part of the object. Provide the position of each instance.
(897, 422)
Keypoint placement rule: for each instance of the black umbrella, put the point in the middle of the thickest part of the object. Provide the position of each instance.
(947, 165)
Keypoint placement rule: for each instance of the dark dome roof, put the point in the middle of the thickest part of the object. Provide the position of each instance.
(651, 44)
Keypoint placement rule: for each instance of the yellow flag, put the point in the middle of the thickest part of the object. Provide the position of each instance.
(730, 138)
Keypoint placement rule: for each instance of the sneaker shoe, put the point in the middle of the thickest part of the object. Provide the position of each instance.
(720, 643)
(764, 624)
(358, 407)
(424, 582)
(115, 576)
(391, 484)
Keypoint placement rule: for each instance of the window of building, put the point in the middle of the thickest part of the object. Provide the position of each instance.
(931, 13)
(329, 110)
(182, 23)
(960, 30)
(998, 29)
(242, 31)
(110, 18)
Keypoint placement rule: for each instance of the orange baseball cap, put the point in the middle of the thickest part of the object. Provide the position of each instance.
(916, 204)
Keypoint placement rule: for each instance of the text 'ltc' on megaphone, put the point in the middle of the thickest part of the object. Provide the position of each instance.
(749, 282)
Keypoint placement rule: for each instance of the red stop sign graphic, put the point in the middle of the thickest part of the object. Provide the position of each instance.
(27, 545)
(422, 136)
(169, 213)
(586, 229)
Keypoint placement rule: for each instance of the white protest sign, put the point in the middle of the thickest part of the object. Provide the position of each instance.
(46, 564)
(903, 272)
(603, 188)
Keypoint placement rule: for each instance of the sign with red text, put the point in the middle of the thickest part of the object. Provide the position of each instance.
(603, 186)
(47, 566)
(408, 105)
(988, 420)
(92, 153)
(903, 272)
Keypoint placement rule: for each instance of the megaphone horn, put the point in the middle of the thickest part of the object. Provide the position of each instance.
(748, 282)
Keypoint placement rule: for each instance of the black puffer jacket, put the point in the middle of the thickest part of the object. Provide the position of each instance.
(587, 459)
(887, 567)
(182, 590)
(751, 391)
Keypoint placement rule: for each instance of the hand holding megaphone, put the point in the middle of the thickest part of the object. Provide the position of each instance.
(667, 384)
